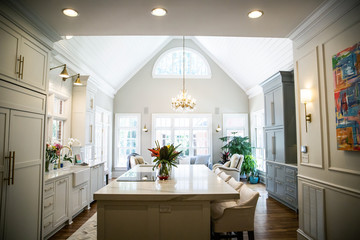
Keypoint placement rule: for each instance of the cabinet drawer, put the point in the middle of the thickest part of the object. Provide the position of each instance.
(290, 171)
(290, 181)
(48, 189)
(291, 200)
(291, 191)
(279, 173)
(270, 170)
(48, 205)
(47, 224)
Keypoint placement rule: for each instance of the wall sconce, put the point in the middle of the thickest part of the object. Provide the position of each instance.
(145, 129)
(64, 73)
(305, 97)
(218, 129)
(77, 81)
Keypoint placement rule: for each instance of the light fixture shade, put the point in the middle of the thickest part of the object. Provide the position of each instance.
(145, 129)
(255, 14)
(159, 12)
(218, 129)
(64, 73)
(305, 95)
(77, 81)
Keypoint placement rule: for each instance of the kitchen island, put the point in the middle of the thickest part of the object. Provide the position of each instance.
(178, 208)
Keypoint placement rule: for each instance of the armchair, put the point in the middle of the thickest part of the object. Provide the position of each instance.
(232, 167)
(225, 215)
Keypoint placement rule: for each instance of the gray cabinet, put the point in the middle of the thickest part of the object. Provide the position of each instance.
(280, 138)
(281, 183)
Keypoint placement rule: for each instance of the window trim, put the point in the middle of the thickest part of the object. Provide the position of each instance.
(253, 127)
(109, 127)
(183, 115)
(193, 51)
(138, 140)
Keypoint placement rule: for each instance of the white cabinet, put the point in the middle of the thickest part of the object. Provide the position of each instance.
(22, 61)
(96, 179)
(80, 196)
(61, 201)
(56, 203)
(22, 152)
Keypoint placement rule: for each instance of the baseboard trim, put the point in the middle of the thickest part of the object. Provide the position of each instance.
(303, 235)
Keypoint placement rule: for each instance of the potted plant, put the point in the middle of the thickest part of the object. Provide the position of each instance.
(248, 166)
(254, 177)
(225, 156)
(236, 144)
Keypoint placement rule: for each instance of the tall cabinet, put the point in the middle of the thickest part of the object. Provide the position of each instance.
(280, 138)
(23, 74)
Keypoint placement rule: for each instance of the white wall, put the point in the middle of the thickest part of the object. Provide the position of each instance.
(329, 190)
(142, 91)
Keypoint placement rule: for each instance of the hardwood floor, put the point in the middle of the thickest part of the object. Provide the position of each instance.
(80, 219)
(272, 219)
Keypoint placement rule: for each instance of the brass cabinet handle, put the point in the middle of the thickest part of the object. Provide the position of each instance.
(91, 134)
(273, 145)
(19, 72)
(48, 205)
(289, 199)
(22, 67)
(61, 182)
(82, 189)
(48, 224)
(13, 169)
(48, 189)
(8, 178)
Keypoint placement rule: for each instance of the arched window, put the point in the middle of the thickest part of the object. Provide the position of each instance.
(170, 65)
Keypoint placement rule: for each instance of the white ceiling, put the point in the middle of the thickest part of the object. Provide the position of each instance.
(113, 60)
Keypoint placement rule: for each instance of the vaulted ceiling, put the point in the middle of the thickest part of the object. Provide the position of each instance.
(114, 39)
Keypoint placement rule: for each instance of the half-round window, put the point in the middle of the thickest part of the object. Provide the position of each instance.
(170, 65)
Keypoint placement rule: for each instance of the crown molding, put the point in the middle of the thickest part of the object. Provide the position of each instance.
(321, 18)
(254, 91)
(25, 20)
(63, 55)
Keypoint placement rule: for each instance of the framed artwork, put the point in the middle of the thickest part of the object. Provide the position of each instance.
(346, 71)
(77, 158)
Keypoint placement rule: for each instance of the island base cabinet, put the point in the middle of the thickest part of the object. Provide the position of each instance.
(158, 220)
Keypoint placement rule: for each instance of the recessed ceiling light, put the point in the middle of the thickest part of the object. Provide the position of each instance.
(159, 12)
(67, 37)
(255, 14)
(70, 12)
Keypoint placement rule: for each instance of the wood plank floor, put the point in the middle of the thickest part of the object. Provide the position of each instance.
(272, 219)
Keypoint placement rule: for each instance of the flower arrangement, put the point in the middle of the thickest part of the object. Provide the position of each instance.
(52, 154)
(165, 158)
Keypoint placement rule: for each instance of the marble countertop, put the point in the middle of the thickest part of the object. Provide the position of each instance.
(68, 170)
(187, 183)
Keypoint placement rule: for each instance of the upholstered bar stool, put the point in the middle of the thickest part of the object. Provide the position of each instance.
(235, 216)
(224, 176)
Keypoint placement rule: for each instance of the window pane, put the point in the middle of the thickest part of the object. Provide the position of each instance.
(200, 138)
(200, 122)
(181, 122)
(163, 122)
(201, 151)
(163, 136)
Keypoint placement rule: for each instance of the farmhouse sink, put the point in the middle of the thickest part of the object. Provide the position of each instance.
(80, 175)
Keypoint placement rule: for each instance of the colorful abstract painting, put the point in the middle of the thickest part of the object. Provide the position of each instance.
(346, 69)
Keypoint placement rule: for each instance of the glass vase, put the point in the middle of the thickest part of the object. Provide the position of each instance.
(164, 172)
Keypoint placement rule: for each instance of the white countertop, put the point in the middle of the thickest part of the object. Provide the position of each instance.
(52, 174)
(187, 183)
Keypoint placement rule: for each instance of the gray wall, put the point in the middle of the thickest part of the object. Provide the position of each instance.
(144, 91)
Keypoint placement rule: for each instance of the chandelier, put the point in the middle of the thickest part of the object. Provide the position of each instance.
(183, 102)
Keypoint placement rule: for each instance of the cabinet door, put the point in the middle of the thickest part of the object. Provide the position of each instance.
(84, 195)
(270, 184)
(34, 67)
(4, 166)
(23, 197)
(93, 182)
(279, 146)
(280, 189)
(9, 49)
(100, 180)
(279, 173)
(278, 107)
(61, 201)
(269, 145)
(269, 109)
(76, 200)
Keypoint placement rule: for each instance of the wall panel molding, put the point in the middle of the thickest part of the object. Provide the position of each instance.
(335, 187)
